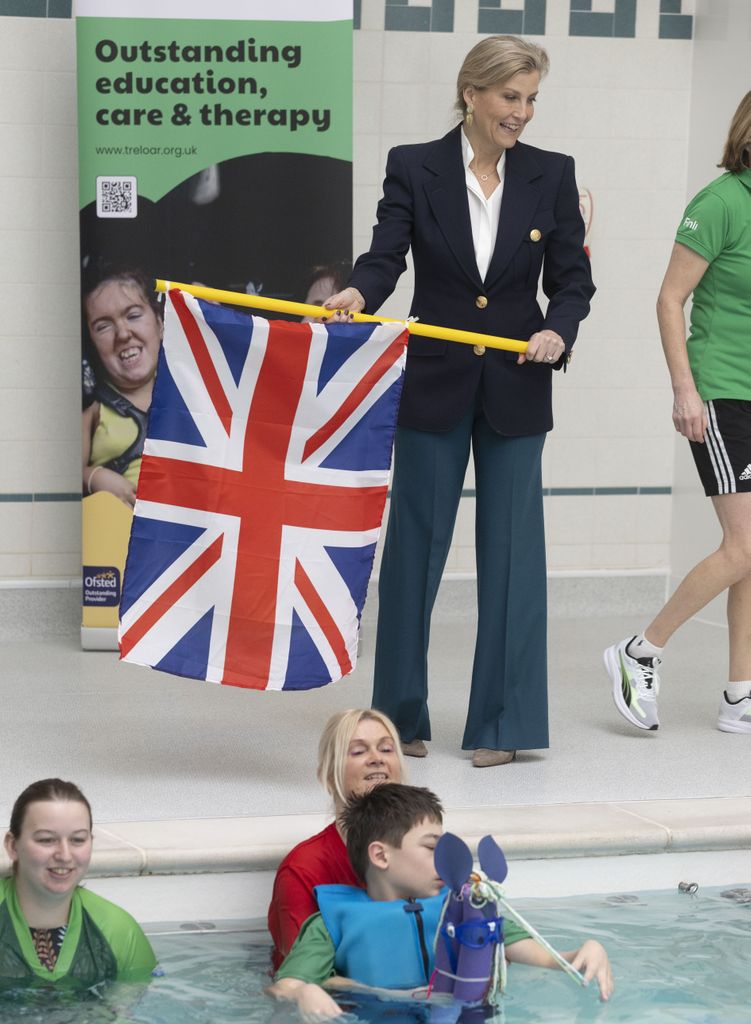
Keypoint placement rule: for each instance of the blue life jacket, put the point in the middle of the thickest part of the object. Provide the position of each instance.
(384, 943)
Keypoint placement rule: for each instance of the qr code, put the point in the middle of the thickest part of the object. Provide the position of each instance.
(116, 197)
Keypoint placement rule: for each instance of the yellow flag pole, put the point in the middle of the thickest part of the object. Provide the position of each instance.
(304, 309)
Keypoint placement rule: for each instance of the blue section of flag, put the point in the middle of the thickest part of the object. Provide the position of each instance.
(354, 566)
(190, 655)
(369, 443)
(169, 417)
(234, 331)
(306, 669)
(154, 546)
(344, 339)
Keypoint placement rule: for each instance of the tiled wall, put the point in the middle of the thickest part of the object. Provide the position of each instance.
(40, 419)
(618, 99)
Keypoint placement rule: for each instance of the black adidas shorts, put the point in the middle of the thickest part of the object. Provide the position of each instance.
(724, 459)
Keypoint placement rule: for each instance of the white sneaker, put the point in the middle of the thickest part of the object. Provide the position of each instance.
(635, 685)
(734, 716)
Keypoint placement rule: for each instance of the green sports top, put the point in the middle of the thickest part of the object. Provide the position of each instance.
(102, 943)
(717, 226)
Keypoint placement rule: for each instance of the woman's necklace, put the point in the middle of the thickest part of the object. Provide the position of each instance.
(483, 177)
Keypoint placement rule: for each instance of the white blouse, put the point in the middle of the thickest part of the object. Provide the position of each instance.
(483, 213)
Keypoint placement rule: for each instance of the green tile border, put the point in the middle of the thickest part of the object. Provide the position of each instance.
(588, 492)
(59, 8)
(676, 26)
(36, 8)
(60, 496)
(598, 24)
(439, 17)
(27, 499)
(495, 21)
(24, 8)
(468, 492)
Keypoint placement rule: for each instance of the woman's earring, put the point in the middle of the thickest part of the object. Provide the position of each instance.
(469, 115)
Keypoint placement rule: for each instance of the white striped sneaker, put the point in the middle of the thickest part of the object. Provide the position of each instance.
(635, 684)
(734, 716)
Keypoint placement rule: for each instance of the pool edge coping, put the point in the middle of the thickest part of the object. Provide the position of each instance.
(525, 831)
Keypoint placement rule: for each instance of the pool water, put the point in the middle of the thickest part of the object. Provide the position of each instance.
(676, 957)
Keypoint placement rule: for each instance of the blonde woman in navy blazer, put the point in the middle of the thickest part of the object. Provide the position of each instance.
(479, 255)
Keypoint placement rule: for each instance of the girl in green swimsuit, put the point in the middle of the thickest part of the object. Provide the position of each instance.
(52, 930)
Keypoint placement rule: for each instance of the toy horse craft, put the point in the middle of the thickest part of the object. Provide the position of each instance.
(469, 956)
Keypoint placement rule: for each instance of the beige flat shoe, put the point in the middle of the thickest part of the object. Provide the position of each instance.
(415, 748)
(483, 757)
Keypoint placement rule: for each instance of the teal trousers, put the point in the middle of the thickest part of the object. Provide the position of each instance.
(508, 707)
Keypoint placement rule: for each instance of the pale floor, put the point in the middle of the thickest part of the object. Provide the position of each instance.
(144, 745)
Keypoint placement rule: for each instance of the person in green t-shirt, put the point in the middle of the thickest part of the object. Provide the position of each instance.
(52, 930)
(711, 376)
(366, 938)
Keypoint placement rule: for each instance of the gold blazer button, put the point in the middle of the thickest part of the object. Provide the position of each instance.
(481, 301)
(479, 350)
(535, 234)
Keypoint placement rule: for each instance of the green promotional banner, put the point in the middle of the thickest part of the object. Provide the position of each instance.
(157, 96)
(212, 150)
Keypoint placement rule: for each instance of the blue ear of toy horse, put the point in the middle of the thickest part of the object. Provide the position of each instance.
(492, 859)
(453, 861)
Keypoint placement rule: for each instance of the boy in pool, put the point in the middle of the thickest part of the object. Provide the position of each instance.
(365, 936)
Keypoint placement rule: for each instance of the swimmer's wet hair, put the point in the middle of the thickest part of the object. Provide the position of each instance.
(385, 814)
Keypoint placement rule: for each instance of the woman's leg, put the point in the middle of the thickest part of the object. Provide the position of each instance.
(632, 666)
(429, 472)
(739, 629)
(508, 708)
(729, 565)
(735, 704)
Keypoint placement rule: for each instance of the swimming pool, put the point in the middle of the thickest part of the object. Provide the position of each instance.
(677, 958)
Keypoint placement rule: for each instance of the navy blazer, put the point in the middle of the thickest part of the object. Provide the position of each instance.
(425, 207)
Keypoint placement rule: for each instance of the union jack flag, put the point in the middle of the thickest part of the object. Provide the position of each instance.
(260, 496)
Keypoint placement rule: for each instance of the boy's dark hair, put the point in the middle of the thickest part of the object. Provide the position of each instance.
(385, 814)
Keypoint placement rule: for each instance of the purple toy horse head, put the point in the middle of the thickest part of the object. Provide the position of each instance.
(470, 930)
